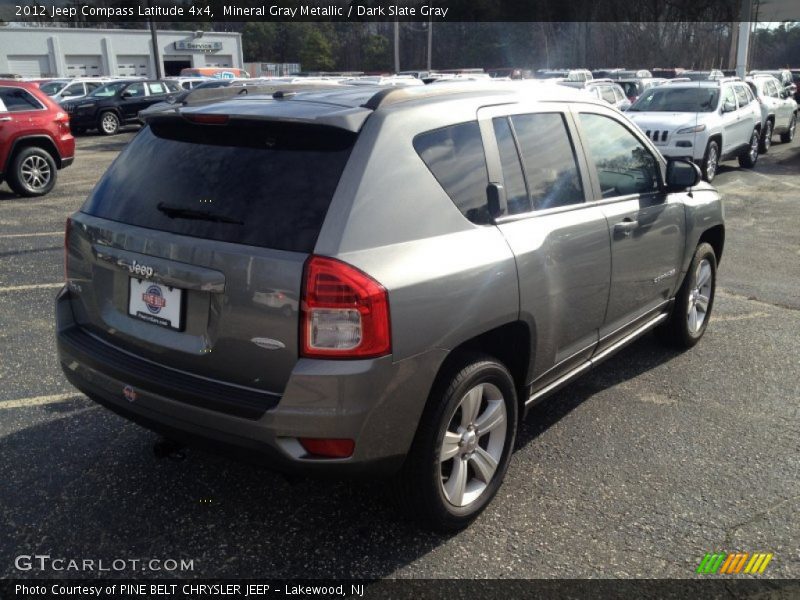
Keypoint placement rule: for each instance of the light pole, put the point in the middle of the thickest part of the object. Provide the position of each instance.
(154, 38)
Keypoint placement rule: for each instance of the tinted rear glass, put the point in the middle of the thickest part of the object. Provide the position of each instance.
(267, 186)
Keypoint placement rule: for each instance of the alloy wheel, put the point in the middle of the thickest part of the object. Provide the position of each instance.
(711, 163)
(109, 123)
(700, 296)
(35, 172)
(473, 444)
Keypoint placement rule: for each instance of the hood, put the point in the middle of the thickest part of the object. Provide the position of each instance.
(663, 120)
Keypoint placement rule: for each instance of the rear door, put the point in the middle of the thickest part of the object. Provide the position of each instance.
(132, 100)
(190, 250)
(20, 113)
(561, 243)
(647, 225)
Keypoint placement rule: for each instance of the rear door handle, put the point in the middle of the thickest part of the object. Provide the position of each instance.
(5, 118)
(626, 227)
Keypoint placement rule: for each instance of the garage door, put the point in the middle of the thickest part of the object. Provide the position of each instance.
(219, 61)
(133, 65)
(33, 65)
(83, 65)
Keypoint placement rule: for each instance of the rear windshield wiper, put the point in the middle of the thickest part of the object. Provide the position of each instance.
(179, 212)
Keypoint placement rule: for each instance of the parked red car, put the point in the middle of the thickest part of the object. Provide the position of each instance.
(35, 140)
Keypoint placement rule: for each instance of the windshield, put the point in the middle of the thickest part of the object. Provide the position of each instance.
(53, 87)
(108, 90)
(665, 99)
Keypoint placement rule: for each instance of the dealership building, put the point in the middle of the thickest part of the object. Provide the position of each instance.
(63, 52)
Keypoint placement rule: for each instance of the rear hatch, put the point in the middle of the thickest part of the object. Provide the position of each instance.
(189, 253)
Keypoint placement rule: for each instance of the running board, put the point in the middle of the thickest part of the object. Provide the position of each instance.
(595, 360)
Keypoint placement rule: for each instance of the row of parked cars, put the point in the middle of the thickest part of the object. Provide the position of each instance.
(702, 115)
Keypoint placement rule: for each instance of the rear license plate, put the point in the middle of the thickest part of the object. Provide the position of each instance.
(156, 303)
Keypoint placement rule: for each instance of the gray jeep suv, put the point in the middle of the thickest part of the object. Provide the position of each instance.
(379, 280)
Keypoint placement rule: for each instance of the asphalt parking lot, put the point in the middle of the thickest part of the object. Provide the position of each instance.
(636, 470)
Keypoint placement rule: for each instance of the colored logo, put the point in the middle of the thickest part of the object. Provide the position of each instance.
(154, 299)
(129, 393)
(734, 563)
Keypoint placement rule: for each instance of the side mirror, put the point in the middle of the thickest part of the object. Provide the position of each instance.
(66, 94)
(682, 174)
(728, 106)
(127, 94)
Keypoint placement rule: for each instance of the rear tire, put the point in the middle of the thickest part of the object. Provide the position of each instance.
(749, 157)
(32, 172)
(766, 138)
(788, 136)
(710, 161)
(108, 123)
(693, 302)
(462, 447)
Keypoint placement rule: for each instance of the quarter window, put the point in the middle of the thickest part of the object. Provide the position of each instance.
(456, 158)
(549, 161)
(18, 100)
(624, 165)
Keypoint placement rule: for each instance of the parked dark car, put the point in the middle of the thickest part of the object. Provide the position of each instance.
(35, 139)
(117, 103)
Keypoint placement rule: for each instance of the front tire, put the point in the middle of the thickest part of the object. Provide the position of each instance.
(710, 161)
(766, 138)
(108, 123)
(33, 172)
(788, 136)
(694, 301)
(462, 447)
(749, 157)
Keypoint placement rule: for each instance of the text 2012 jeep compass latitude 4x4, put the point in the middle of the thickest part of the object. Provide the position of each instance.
(451, 254)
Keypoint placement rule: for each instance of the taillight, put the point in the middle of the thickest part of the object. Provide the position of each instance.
(66, 248)
(344, 312)
(62, 120)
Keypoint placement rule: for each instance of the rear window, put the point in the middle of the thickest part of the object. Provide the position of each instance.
(260, 185)
(455, 157)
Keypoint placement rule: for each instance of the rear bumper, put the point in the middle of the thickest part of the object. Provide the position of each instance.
(377, 403)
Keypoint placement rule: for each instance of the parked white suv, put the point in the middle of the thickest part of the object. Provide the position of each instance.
(778, 109)
(705, 121)
(64, 89)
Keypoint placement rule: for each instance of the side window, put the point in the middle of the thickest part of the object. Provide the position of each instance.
(135, 90)
(741, 95)
(18, 100)
(157, 88)
(455, 157)
(608, 94)
(513, 179)
(624, 165)
(548, 158)
(75, 89)
(729, 96)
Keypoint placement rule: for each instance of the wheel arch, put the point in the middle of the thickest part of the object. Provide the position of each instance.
(510, 343)
(715, 236)
(40, 141)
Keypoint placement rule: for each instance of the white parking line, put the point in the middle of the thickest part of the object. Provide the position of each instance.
(38, 400)
(20, 235)
(33, 286)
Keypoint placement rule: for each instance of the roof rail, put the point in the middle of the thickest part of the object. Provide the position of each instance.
(395, 95)
(276, 90)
